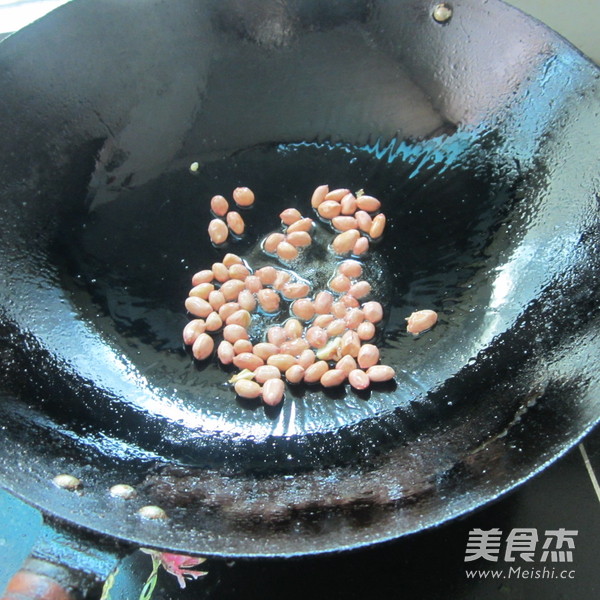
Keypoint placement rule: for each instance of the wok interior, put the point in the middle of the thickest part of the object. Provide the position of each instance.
(128, 265)
(472, 182)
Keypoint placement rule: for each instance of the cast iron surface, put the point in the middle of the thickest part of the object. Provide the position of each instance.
(478, 135)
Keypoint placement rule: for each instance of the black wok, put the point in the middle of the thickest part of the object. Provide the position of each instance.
(480, 135)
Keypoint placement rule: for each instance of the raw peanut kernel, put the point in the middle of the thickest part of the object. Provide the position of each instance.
(333, 377)
(247, 301)
(231, 259)
(216, 299)
(380, 373)
(316, 336)
(220, 272)
(346, 364)
(348, 204)
(295, 374)
(306, 359)
(378, 226)
(299, 239)
(265, 349)
(272, 392)
(304, 224)
(213, 322)
(336, 195)
(340, 283)
(228, 309)
(338, 310)
(281, 279)
(368, 203)
(345, 242)
(293, 328)
(294, 347)
(218, 232)
(266, 372)
(360, 289)
(202, 290)
(349, 301)
(247, 360)
(344, 223)
(314, 373)
(318, 195)
(277, 335)
(225, 352)
(198, 307)
(359, 380)
(419, 321)
(361, 246)
(219, 206)
(203, 346)
(366, 331)
(238, 272)
(336, 327)
(368, 356)
(242, 346)
(235, 222)
(233, 333)
(350, 344)
(271, 242)
(373, 311)
(303, 309)
(295, 290)
(323, 302)
(350, 268)
(240, 317)
(192, 330)
(267, 275)
(289, 216)
(286, 251)
(247, 389)
(354, 318)
(329, 209)
(205, 276)
(231, 289)
(243, 196)
(323, 320)
(282, 361)
(268, 300)
(364, 220)
(253, 283)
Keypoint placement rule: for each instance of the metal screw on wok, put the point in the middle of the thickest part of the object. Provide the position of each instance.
(442, 13)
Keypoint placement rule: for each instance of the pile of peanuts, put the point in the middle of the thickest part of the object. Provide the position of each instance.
(218, 230)
(349, 215)
(326, 339)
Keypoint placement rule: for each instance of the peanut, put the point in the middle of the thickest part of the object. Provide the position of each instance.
(272, 392)
(247, 389)
(315, 371)
(219, 206)
(318, 195)
(380, 373)
(420, 321)
(358, 379)
(243, 196)
(203, 346)
(333, 378)
(218, 232)
(289, 216)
